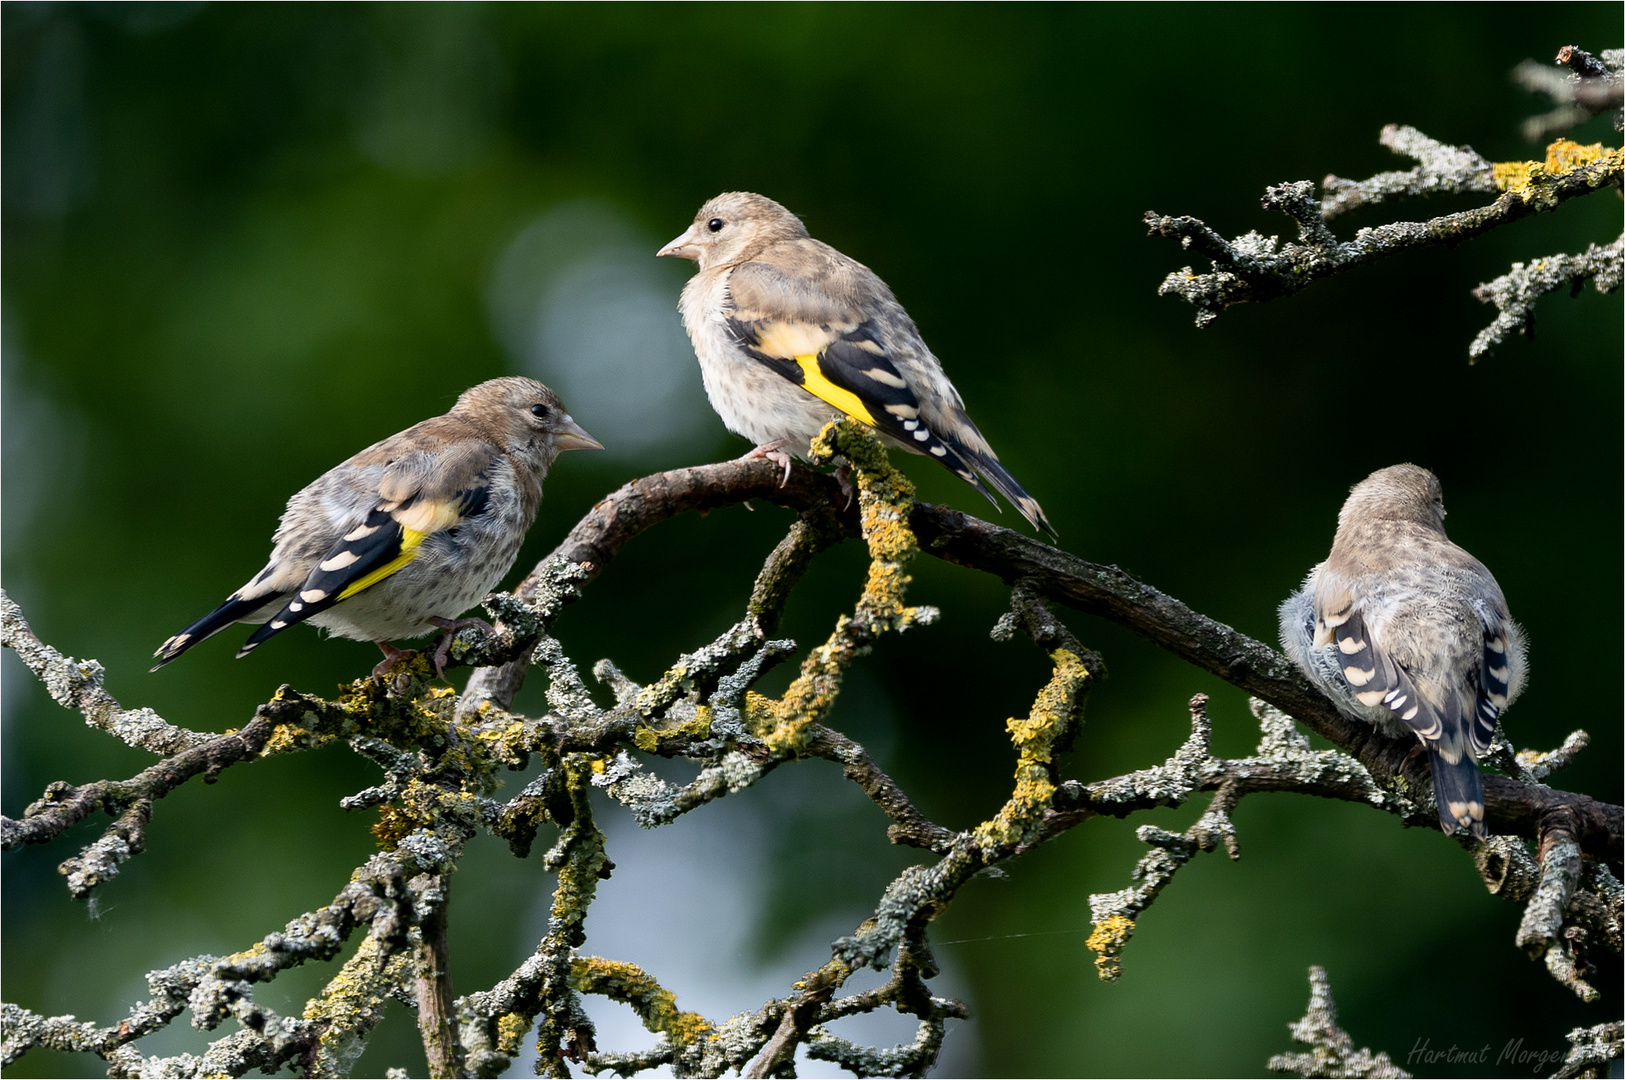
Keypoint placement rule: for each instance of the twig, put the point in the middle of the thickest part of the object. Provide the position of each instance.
(1331, 1050)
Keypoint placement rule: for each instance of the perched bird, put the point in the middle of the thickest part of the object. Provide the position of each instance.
(1402, 628)
(411, 532)
(791, 334)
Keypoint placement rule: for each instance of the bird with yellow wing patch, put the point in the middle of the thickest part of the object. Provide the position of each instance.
(411, 532)
(791, 334)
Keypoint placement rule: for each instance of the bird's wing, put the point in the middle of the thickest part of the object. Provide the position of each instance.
(1494, 679)
(1443, 719)
(248, 603)
(403, 495)
(832, 348)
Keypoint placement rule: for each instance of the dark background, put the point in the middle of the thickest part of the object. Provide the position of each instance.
(244, 241)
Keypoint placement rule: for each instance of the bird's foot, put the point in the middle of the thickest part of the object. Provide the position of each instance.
(774, 452)
(442, 650)
(392, 656)
(843, 477)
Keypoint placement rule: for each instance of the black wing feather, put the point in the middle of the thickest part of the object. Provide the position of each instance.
(373, 543)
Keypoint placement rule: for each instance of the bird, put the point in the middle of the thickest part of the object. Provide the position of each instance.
(408, 534)
(791, 334)
(1402, 628)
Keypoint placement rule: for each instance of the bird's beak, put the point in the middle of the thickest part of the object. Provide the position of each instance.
(572, 436)
(683, 247)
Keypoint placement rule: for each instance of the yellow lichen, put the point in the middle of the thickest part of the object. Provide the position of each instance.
(1566, 155)
(647, 738)
(627, 983)
(1533, 181)
(1035, 737)
(1513, 175)
(511, 1028)
(1111, 934)
(885, 498)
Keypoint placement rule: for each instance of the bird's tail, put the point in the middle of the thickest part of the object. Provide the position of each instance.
(994, 472)
(237, 608)
(1457, 787)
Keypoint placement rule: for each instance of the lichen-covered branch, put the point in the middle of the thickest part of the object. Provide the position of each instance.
(1441, 169)
(1588, 87)
(1513, 806)
(1515, 292)
(921, 892)
(1592, 1048)
(1331, 1050)
(1255, 268)
(441, 759)
(77, 684)
(1284, 761)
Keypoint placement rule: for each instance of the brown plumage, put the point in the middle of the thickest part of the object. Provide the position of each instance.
(1401, 627)
(408, 534)
(791, 334)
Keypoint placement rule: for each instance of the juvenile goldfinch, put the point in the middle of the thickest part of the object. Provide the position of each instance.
(792, 334)
(411, 532)
(1402, 628)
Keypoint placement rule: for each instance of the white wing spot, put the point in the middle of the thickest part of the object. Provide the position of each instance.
(922, 435)
(1359, 676)
(313, 596)
(360, 532)
(1369, 697)
(942, 451)
(1349, 646)
(885, 378)
(339, 561)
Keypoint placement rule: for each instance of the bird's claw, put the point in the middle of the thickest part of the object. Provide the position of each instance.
(843, 477)
(774, 452)
(392, 656)
(442, 650)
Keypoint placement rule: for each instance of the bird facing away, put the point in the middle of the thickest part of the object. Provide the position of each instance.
(1402, 628)
(412, 531)
(791, 334)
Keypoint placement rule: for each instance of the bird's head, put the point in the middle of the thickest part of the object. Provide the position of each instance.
(1397, 493)
(521, 414)
(732, 227)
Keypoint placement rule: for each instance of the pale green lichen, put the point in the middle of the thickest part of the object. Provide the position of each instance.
(351, 1004)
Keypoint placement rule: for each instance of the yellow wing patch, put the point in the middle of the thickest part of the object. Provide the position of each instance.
(411, 539)
(814, 382)
(779, 337)
(428, 516)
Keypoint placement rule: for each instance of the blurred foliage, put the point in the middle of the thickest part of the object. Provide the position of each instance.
(244, 241)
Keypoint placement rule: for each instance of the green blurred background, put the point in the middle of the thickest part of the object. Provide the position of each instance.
(244, 241)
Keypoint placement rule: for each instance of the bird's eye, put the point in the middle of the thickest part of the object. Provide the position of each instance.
(540, 411)
(715, 224)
